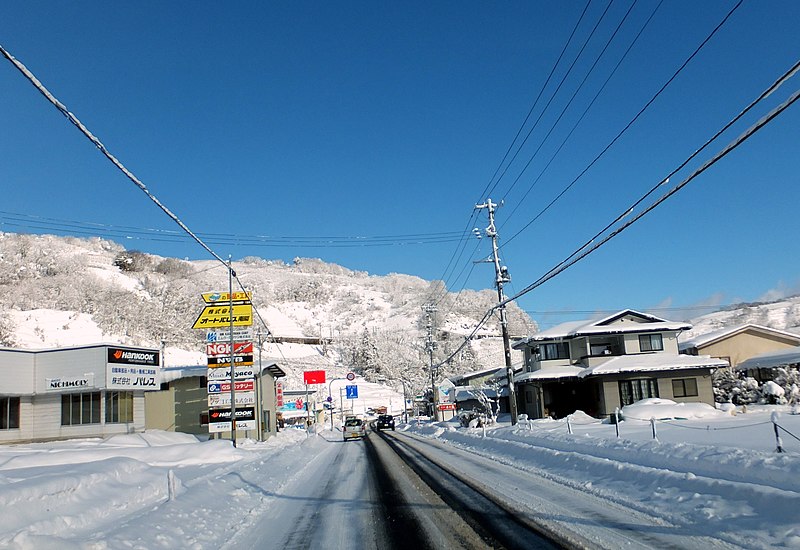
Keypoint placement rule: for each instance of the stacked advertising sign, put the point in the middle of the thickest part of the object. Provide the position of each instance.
(220, 310)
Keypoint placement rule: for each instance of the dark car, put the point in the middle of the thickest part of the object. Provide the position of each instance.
(385, 421)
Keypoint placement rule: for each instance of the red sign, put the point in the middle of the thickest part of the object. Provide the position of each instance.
(314, 377)
(298, 404)
(447, 406)
(279, 394)
(223, 349)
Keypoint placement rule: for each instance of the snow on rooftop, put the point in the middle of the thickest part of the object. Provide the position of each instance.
(550, 373)
(597, 326)
(646, 362)
(772, 359)
(709, 337)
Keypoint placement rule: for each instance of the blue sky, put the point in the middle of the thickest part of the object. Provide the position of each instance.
(367, 119)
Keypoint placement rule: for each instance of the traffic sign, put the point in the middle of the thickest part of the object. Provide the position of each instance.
(351, 376)
(352, 392)
(218, 316)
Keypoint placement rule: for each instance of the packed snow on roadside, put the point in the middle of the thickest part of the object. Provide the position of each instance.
(708, 472)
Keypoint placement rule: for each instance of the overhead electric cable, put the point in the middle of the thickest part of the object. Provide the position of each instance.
(85, 131)
(576, 256)
(486, 191)
(569, 103)
(632, 121)
(459, 250)
(554, 94)
(583, 115)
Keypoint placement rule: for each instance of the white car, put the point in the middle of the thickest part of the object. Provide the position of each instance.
(353, 428)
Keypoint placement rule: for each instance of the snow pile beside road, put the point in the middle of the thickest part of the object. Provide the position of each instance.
(746, 496)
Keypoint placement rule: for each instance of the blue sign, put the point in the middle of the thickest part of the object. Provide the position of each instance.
(352, 392)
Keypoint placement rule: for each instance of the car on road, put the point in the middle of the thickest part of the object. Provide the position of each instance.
(384, 422)
(353, 428)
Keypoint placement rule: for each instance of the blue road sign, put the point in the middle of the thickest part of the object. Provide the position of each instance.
(352, 392)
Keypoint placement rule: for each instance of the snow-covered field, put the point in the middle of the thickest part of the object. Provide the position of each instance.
(715, 474)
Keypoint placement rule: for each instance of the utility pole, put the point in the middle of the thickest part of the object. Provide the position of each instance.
(231, 275)
(430, 345)
(501, 277)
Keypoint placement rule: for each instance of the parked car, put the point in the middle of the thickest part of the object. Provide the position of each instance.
(385, 421)
(353, 428)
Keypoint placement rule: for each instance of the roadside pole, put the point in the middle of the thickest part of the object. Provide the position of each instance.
(231, 273)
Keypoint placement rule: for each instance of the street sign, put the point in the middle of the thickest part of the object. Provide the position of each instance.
(223, 349)
(220, 316)
(223, 334)
(214, 297)
(219, 427)
(352, 392)
(314, 377)
(220, 373)
(351, 376)
(224, 386)
(225, 361)
(219, 400)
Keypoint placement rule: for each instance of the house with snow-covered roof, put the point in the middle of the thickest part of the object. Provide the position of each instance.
(739, 343)
(599, 365)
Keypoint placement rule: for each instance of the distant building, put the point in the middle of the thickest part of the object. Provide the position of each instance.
(739, 343)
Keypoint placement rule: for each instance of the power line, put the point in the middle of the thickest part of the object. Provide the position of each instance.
(455, 258)
(627, 126)
(85, 131)
(161, 235)
(584, 251)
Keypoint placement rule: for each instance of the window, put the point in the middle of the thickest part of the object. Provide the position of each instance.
(80, 408)
(119, 406)
(684, 387)
(631, 391)
(9, 413)
(650, 342)
(559, 350)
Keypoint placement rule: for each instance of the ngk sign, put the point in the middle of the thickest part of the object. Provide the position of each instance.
(223, 349)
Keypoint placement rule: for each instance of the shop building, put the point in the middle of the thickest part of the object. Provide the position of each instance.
(83, 391)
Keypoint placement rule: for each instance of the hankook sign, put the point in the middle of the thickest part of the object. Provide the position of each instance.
(126, 356)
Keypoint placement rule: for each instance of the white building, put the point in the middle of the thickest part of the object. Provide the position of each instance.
(83, 391)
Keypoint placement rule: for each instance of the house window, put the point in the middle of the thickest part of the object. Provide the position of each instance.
(650, 342)
(119, 406)
(631, 391)
(558, 350)
(9, 413)
(684, 387)
(80, 408)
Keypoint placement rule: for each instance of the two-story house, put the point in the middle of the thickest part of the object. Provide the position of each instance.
(598, 366)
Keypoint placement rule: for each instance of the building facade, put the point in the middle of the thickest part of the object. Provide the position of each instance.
(599, 366)
(83, 391)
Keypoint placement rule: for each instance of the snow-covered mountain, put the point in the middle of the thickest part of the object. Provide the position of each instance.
(781, 315)
(60, 291)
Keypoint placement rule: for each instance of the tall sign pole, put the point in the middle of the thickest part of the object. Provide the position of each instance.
(231, 273)
(501, 277)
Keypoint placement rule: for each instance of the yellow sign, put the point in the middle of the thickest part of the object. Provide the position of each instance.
(220, 316)
(217, 297)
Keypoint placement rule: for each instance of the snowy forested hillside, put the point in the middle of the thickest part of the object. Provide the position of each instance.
(58, 291)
